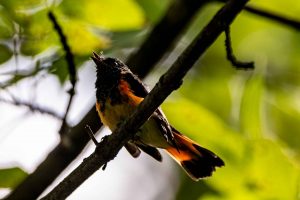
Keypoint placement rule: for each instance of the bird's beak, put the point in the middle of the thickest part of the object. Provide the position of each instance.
(98, 59)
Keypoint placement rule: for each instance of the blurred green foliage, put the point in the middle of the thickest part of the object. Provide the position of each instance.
(249, 118)
(88, 26)
(6, 53)
(11, 177)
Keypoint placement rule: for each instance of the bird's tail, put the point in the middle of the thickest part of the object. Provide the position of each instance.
(197, 161)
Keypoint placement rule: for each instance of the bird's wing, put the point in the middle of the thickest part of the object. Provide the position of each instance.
(140, 90)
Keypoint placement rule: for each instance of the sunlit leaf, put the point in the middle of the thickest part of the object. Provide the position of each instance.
(20, 5)
(81, 38)
(112, 15)
(38, 33)
(6, 24)
(11, 177)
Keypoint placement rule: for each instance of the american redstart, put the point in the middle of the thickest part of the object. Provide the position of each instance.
(118, 93)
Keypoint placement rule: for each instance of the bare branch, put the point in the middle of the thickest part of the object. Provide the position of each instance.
(32, 107)
(230, 56)
(91, 134)
(293, 23)
(171, 80)
(71, 67)
(17, 75)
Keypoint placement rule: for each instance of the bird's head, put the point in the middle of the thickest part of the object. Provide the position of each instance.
(108, 72)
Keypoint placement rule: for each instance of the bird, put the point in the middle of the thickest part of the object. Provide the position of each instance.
(118, 93)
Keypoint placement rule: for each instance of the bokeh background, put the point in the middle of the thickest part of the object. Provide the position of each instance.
(250, 118)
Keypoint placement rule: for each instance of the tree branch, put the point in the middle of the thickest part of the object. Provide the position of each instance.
(18, 75)
(71, 68)
(170, 81)
(293, 23)
(32, 107)
(163, 35)
(62, 155)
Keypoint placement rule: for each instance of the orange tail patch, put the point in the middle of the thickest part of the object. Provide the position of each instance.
(197, 161)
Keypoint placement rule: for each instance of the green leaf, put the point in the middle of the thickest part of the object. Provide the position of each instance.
(6, 24)
(5, 53)
(11, 177)
(81, 38)
(38, 33)
(112, 15)
(60, 67)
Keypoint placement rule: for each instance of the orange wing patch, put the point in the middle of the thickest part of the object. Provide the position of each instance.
(113, 114)
(126, 91)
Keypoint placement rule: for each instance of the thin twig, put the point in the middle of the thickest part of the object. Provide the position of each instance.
(230, 56)
(71, 68)
(18, 75)
(91, 134)
(32, 107)
(108, 148)
(276, 17)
